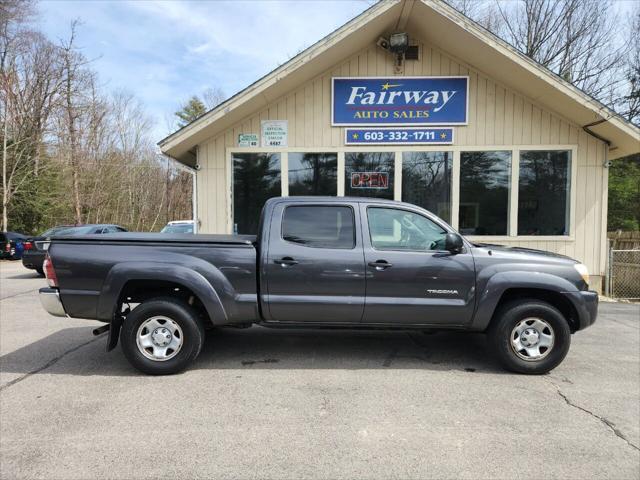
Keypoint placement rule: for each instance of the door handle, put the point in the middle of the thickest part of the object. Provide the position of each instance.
(380, 265)
(286, 262)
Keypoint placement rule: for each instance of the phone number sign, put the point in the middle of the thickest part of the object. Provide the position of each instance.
(398, 136)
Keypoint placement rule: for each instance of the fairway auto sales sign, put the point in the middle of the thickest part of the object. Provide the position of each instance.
(384, 101)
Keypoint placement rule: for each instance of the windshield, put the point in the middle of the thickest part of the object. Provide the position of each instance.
(178, 228)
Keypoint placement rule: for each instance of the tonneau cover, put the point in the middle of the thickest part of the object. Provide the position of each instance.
(160, 237)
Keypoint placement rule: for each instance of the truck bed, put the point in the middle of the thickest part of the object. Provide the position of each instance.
(94, 270)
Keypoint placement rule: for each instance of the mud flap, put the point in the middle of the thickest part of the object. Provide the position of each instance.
(114, 333)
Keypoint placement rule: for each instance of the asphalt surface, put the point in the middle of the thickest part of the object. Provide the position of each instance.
(263, 403)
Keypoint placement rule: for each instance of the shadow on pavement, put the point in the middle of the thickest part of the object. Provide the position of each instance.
(74, 351)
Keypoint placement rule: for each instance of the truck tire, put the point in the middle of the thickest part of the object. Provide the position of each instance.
(162, 336)
(530, 336)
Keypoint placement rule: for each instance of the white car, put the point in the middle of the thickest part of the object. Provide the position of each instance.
(178, 226)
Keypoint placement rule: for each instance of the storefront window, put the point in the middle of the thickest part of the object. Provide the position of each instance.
(369, 174)
(543, 193)
(484, 193)
(426, 181)
(313, 174)
(256, 178)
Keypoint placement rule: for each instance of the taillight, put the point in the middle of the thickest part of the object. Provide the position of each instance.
(50, 272)
(7, 247)
(28, 245)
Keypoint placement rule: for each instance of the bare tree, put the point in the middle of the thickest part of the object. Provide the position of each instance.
(576, 39)
(77, 82)
(213, 97)
(628, 102)
(29, 84)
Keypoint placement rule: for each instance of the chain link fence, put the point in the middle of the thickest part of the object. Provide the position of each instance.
(624, 274)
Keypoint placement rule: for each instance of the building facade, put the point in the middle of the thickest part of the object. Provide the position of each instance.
(514, 162)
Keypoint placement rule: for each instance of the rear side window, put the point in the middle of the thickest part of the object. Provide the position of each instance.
(319, 226)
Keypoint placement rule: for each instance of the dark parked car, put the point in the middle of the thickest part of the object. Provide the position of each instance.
(320, 262)
(11, 245)
(34, 253)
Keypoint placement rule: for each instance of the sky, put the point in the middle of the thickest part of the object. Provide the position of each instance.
(164, 52)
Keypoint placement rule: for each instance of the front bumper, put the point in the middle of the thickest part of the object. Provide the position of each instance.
(586, 305)
(50, 300)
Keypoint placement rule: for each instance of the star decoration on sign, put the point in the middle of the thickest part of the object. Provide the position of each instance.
(387, 86)
(443, 136)
(355, 136)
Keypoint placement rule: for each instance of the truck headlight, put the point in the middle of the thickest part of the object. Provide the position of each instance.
(583, 271)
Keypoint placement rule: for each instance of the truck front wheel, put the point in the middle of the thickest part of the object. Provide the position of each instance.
(530, 336)
(161, 336)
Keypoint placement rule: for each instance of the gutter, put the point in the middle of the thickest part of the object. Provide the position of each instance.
(594, 134)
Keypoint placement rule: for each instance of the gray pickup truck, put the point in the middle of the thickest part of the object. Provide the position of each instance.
(319, 262)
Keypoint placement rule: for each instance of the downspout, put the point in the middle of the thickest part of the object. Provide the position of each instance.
(194, 192)
(604, 212)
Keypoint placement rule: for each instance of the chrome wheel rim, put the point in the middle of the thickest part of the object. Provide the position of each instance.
(159, 338)
(532, 339)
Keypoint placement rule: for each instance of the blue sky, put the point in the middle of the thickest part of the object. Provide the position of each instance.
(164, 52)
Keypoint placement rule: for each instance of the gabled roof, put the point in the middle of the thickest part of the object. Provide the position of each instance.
(440, 24)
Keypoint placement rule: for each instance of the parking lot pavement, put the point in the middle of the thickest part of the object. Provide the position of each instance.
(263, 403)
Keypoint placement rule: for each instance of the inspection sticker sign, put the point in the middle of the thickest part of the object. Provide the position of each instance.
(394, 101)
(248, 140)
(275, 133)
(398, 136)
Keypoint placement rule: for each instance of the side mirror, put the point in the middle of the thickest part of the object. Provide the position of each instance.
(453, 243)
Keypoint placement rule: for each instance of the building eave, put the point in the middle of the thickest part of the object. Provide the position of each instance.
(445, 27)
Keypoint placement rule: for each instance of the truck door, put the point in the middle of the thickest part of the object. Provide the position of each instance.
(411, 279)
(314, 270)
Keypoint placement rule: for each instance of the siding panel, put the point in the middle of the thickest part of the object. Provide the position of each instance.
(497, 116)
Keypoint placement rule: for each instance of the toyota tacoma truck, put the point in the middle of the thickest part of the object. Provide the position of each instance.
(319, 262)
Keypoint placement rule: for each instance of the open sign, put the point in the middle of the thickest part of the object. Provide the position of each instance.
(378, 180)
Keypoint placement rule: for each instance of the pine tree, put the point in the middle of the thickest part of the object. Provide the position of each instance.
(191, 110)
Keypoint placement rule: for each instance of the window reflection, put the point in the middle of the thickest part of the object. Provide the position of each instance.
(313, 174)
(484, 192)
(393, 229)
(543, 193)
(256, 178)
(369, 174)
(319, 226)
(426, 181)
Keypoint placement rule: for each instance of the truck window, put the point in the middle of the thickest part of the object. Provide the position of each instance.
(394, 229)
(319, 226)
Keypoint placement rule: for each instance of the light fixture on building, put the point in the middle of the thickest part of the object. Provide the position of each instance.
(399, 43)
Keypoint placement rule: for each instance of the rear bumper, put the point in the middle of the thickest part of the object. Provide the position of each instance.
(50, 300)
(586, 306)
(33, 260)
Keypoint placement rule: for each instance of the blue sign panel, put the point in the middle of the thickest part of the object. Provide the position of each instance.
(391, 101)
(398, 136)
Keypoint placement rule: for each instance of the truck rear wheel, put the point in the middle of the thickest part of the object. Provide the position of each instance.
(530, 336)
(161, 336)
